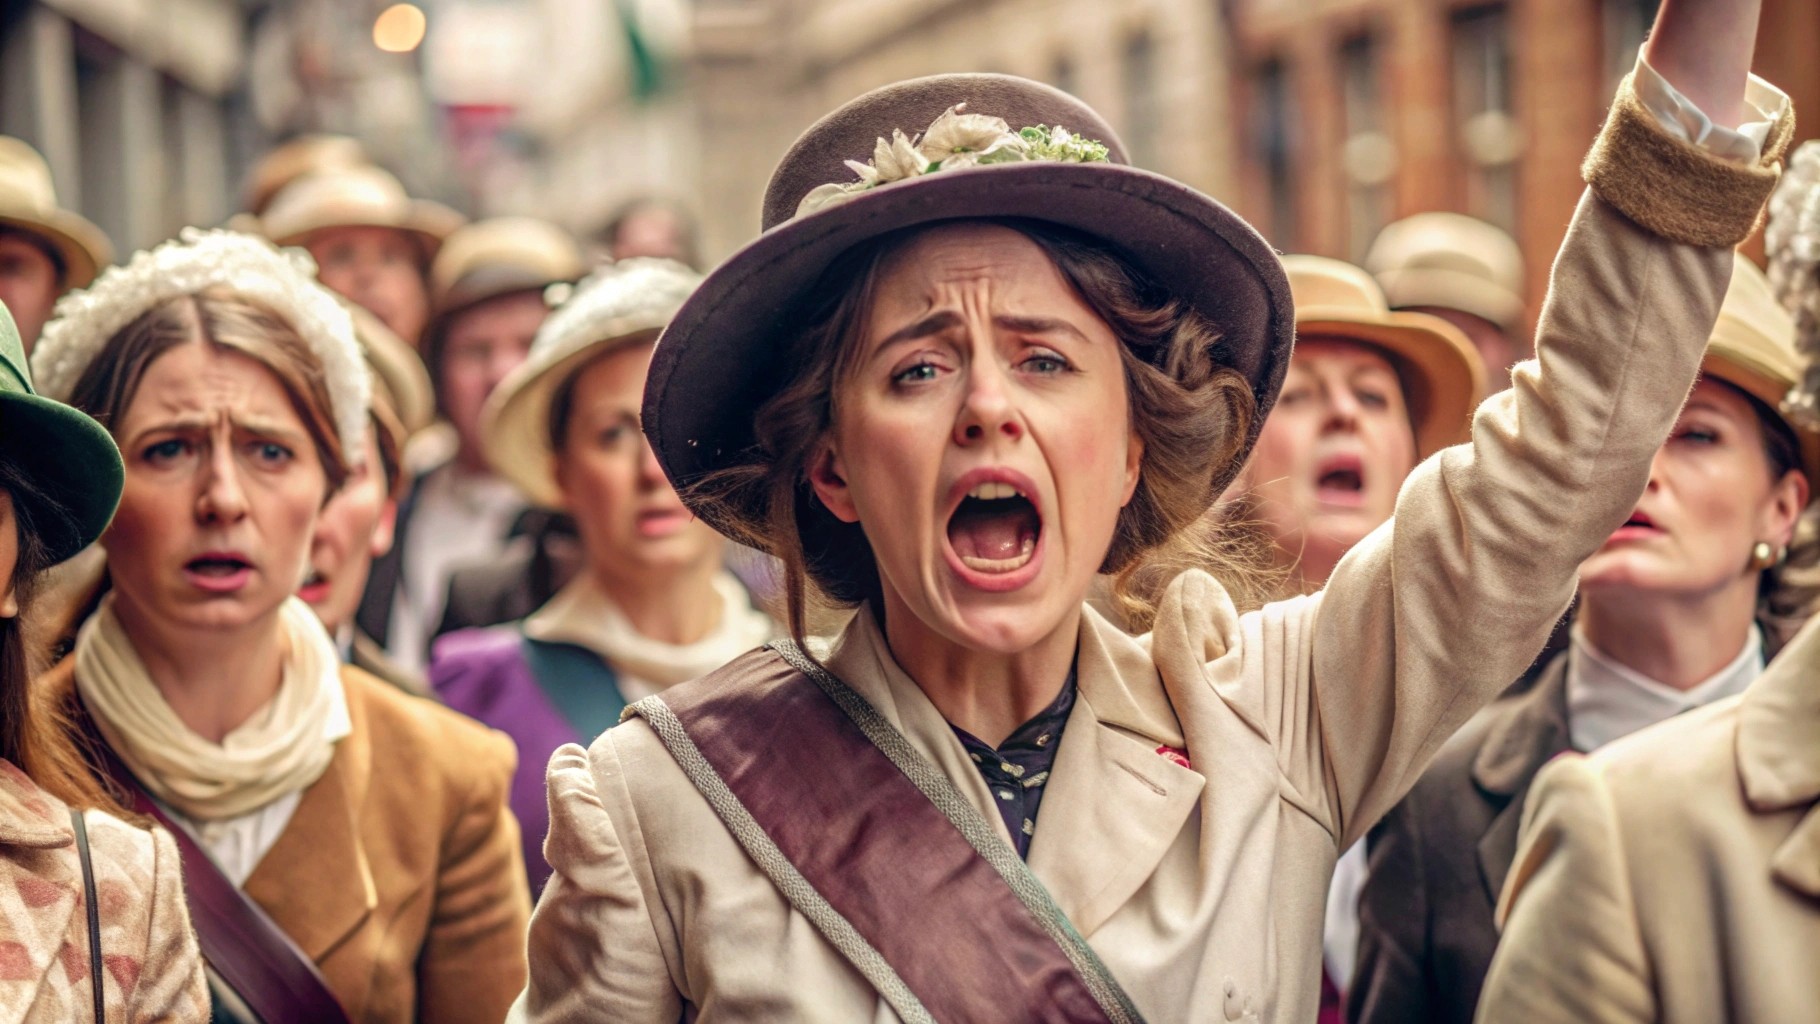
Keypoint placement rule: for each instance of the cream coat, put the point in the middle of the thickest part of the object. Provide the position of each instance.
(1202, 889)
(1675, 875)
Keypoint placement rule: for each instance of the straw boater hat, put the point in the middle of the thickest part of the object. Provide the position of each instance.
(65, 453)
(1753, 349)
(288, 161)
(28, 202)
(1018, 149)
(360, 196)
(1451, 261)
(1443, 377)
(499, 256)
(620, 304)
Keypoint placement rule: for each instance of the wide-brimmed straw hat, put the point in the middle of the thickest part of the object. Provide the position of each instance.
(358, 196)
(69, 456)
(1752, 348)
(1442, 374)
(28, 202)
(719, 359)
(1452, 261)
(620, 304)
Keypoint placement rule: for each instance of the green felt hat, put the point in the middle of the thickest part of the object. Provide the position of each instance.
(60, 449)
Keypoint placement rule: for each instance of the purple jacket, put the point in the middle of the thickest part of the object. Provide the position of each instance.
(487, 674)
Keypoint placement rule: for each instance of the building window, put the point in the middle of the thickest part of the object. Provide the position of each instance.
(1143, 120)
(1368, 157)
(1273, 125)
(1623, 25)
(1486, 130)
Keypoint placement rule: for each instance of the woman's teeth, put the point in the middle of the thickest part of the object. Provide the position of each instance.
(994, 492)
(1025, 549)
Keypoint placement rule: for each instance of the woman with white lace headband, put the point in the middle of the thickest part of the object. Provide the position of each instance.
(361, 832)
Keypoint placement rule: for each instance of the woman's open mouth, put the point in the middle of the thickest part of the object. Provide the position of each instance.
(1637, 527)
(315, 588)
(219, 571)
(1340, 480)
(995, 531)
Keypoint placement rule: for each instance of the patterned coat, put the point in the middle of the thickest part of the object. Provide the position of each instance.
(153, 972)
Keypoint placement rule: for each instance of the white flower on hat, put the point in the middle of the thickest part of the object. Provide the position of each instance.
(953, 141)
(282, 280)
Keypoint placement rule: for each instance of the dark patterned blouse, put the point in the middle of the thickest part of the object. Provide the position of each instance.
(1017, 771)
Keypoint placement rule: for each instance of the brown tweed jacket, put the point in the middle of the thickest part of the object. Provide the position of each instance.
(400, 872)
(152, 971)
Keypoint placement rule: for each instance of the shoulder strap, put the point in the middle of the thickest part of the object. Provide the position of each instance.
(93, 905)
(572, 678)
(244, 946)
(907, 880)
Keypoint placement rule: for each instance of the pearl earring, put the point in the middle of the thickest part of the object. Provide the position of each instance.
(1764, 555)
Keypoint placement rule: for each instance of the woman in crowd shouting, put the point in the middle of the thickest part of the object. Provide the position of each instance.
(952, 385)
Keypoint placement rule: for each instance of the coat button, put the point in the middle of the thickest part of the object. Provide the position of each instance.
(1235, 1007)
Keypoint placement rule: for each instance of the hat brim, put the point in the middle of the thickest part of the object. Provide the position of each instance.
(1443, 376)
(717, 361)
(514, 425)
(430, 223)
(83, 247)
(72, 459)
(1770, 388)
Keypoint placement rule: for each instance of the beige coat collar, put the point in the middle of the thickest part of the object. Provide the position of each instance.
(29, 816)
(1779, 754)
(1109, 781)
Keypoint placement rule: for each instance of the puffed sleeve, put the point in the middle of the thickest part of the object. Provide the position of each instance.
(1568, 891)
(171, 987)
(594, 949)
(473, 958)
(1431, 615)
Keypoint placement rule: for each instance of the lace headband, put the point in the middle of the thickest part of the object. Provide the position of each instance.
(284, 281)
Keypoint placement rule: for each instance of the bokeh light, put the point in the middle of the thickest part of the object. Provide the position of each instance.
(399, 29)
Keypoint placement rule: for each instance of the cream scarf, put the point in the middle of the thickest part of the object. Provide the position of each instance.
(582, 614)
(282, 749)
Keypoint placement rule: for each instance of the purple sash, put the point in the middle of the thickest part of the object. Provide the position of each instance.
(878, 849)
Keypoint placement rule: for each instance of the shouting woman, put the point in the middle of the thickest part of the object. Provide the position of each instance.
(951, 386)
(347, 849)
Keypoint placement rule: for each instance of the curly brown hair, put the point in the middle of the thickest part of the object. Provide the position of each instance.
(1192, 413)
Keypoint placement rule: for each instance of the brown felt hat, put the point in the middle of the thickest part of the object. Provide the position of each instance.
(718, 359)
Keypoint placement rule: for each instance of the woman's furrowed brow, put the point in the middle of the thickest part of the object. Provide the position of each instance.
(934, 323)
(1038, 325)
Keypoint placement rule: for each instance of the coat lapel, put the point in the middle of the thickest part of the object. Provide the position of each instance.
(1114, 805)
(1531, 729)
(1779, 754)
(315, 881)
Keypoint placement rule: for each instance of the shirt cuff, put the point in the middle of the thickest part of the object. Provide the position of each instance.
(1681, 118)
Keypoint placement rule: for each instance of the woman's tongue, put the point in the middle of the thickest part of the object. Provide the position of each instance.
(994, 536)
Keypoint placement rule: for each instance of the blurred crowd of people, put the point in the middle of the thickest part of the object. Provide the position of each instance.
(333, 536)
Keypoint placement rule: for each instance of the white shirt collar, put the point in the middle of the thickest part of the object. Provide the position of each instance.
(1607, 700)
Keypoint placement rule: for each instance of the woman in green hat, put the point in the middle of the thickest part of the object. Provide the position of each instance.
(60, 480)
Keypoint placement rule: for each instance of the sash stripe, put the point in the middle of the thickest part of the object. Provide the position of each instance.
(783, 874)
(979, 834)
(908, 882)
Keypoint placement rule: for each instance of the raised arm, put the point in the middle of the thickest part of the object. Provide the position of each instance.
(1437, 611)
